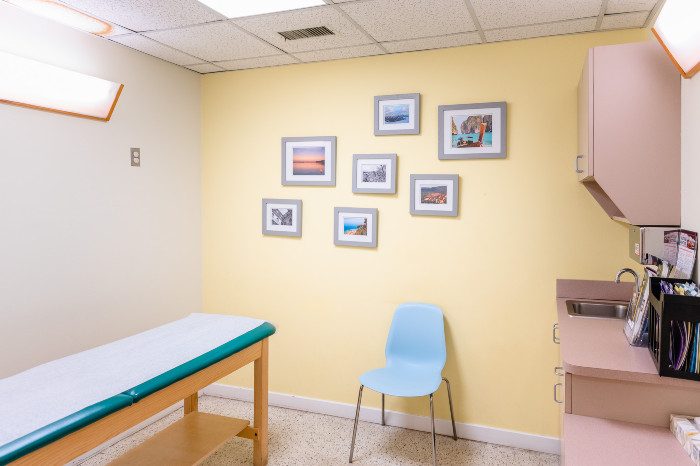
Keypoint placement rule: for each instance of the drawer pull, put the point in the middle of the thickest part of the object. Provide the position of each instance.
(576, 164)
(559, 371)
(555, 337)
(555, 392)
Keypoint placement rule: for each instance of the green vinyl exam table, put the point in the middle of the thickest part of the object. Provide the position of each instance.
(55, 412)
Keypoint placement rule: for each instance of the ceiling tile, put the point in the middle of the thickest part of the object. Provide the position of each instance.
(115, 31)
(151, 47)
(505, 13)
(261, 62)
(541, 30)
(147, 15)
(205, 68)
(454, 40)
(268, 26)
(337, 54)
(625, 20)
(214, 42)
(389, 20)
(626, 6)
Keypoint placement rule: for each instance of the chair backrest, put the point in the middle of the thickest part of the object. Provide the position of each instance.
(417, 336)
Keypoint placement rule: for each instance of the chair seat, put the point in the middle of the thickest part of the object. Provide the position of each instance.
(402, 381)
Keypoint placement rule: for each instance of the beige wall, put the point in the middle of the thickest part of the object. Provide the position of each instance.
(690, 155)
(91, 249)
(523, 222)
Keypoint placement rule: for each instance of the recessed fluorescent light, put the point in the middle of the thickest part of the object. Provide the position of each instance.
(240, 8)
(34, 84)
(63, 14)
(677, 30)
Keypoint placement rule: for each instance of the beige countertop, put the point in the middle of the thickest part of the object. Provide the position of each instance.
(597, 347)
(594, 441)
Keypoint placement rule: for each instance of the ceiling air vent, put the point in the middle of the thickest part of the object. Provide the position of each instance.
(306, 33)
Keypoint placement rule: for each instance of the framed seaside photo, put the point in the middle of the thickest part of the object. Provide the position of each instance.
(374, 173)
(396, 114)
(281, 217)
(355, 227)
(472, 131)
(435, 195)
(308, 161)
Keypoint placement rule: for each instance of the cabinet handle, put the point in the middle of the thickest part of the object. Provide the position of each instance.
(576, 164)
(555, 392)
(555, 338)
(559, 371)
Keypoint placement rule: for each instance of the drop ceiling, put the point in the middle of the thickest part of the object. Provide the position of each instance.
(189, 34)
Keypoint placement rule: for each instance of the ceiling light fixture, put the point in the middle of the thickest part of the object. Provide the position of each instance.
(677, 30)
(239, 8)
(64, 14)
(37, 85)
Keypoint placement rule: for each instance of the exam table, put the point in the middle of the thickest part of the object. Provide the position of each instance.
(55, 412)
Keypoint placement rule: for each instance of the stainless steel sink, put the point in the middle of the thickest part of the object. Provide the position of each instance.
(597, 309)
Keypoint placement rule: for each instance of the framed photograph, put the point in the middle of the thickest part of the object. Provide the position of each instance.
(396, 114)
(472, 131)
(435, 195)
(355, 227)
(281, 217)
(374, 173)
(308, 161)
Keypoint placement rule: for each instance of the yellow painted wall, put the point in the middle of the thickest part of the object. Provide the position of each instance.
(523, 222)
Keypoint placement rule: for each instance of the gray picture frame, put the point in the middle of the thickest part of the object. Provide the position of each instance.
(452, 212)
(391, 189)
(472, 152)
(340, 240)
(308, 180)
(381, 130)
(268, 229)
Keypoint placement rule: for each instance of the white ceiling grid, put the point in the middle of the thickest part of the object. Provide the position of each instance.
(190, 34)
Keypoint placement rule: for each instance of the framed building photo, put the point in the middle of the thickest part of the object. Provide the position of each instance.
(435, 195)
(396, 114)
(374, 173)
(308, 161)
(281, 217)
(355, 227)
(472, 131)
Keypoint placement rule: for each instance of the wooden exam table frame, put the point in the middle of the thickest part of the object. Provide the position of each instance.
(91, 436)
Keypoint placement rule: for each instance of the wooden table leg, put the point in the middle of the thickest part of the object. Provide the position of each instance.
(260, 407)
(191, 403)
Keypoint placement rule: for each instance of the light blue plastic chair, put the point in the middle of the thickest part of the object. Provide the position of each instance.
(415, 356)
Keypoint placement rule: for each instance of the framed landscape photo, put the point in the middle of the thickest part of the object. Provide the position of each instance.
(396, 114)
(472, 131)
(281, 217)
(355, 227)
(308, 161)
(435, 195)
(374, 173)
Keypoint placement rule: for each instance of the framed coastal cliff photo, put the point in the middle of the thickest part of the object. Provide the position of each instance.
(396, 114)
(355, 227)
(374, 173)
(308, 161)
(472, 131)
(434, 195)
(281, 217)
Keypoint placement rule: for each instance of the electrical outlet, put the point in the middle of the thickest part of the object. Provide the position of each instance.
(135, 157)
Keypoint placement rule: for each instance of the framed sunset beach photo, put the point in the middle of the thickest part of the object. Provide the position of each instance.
(355, 227)
(434, 195)
(472, 131)
(308, 161)
(396, 114)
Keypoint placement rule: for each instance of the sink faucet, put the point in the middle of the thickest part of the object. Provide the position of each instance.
(634, 274)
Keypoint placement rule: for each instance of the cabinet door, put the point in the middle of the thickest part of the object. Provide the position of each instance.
(584, 159)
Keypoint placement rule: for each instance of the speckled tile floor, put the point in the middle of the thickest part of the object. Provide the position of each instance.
(301, 438)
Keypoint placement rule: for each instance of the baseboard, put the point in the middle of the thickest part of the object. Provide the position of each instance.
(487, 434)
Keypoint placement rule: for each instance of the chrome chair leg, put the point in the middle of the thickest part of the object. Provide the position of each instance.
(432, 429)
(383, 423)
(452, 413)
(357, 417)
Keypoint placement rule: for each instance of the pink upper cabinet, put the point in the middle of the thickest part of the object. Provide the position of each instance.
(629, 131)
